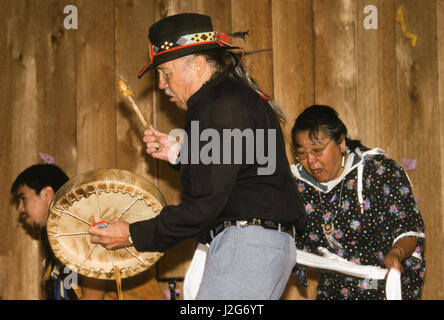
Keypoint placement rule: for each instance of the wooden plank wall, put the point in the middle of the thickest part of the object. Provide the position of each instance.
(418, 109)
(58, 95)
(440, 118)
(38, 115)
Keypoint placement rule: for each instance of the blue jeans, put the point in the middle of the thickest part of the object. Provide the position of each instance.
(248, 263)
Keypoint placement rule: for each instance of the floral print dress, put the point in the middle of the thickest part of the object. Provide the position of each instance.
(368, 216)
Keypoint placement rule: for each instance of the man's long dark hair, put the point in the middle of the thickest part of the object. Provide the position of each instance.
(228, 62)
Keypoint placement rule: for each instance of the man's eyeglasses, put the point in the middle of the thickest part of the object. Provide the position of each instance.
(315, 152)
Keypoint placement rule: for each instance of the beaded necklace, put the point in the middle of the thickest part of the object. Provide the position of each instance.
(329, 228)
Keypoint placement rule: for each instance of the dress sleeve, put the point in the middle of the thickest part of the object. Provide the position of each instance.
(402, 215)
(402, 218)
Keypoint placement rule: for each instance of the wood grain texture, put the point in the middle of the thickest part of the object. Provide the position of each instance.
(376, 79)
(20, 257)
(418, 121)
(95, 86)
(56, 91)
(440, 21)
(335, 62)
(258, 42)
(132, 19)
(293, 56)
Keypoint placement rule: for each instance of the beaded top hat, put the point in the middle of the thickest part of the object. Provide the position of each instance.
(180, 35)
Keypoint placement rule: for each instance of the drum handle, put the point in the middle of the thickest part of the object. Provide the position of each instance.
(129, 95)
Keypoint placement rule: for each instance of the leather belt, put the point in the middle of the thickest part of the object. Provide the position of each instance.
(266, 224)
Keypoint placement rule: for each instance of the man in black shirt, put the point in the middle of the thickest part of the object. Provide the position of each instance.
(238, 193)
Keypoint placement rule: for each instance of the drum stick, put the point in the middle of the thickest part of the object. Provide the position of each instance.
(129, 94)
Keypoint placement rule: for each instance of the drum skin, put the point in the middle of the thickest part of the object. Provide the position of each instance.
(96, 196)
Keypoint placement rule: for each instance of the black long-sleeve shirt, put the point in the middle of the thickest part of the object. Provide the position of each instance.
(231, 189)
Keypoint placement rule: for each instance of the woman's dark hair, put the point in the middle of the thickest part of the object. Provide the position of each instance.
(39, 176)
(228, 62)
(318, 118)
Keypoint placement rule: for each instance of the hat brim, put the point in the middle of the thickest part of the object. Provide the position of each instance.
(175, 54)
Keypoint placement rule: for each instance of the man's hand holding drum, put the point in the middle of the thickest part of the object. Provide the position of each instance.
(114, 236)
(160, 146)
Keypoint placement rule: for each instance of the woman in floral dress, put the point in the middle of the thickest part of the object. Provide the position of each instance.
(360, 207)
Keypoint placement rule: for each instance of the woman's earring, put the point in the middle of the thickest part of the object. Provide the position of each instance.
(343, 160)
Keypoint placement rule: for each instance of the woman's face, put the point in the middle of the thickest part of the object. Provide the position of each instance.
(320, 156)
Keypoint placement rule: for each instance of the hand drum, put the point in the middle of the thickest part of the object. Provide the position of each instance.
(101, 197)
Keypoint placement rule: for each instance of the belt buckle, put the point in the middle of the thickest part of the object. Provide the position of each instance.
(243, 223)
(256, 222)
(227, 224)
